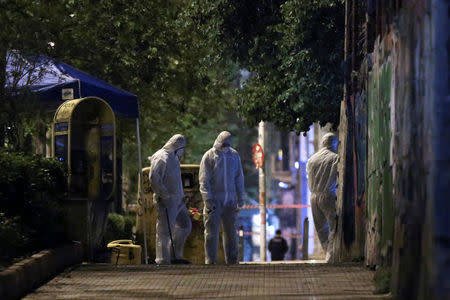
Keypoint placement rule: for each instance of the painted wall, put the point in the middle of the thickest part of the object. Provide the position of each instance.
(420, 155)
(380, 215)
(400, 92)
(439, 209)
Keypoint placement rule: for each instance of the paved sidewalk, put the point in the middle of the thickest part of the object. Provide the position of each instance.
(245, 281)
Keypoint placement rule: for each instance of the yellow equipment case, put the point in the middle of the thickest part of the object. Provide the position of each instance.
(124, 252)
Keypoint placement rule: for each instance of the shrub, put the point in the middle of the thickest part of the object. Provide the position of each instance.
(31, 191)
(118, 227)
(14, 238)
(382, 278)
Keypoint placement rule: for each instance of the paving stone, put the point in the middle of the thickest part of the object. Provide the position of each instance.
(249, 281)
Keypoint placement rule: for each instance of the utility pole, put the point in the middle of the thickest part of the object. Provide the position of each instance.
(141, 193)
(262, 196)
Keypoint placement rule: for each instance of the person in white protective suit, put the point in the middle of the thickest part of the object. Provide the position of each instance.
(322, 181)
(165, 180)
(222, 189)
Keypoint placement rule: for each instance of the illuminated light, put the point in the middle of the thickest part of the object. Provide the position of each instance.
(241, 232)
(297, 165)
(61, 159)
(283, 185)
(280, 154)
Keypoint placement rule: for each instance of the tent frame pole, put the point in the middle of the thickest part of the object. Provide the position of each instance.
(141, 192)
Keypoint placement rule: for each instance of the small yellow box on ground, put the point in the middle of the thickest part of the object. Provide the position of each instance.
(124, 252)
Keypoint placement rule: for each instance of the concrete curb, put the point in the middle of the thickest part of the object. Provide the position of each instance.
(29, 273)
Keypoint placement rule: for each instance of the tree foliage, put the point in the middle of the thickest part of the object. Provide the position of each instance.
(151, 48)
(294, 48)
(27, 26)
(154, 49)
(181, 58)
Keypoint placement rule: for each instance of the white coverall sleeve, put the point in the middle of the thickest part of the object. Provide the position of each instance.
(334, 172)
(157, 173)
(239, 180)
(205, 174)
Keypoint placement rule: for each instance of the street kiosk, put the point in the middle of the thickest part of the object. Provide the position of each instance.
(84, 138)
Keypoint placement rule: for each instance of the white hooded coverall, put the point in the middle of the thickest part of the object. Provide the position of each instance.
(222, 188)
(165, 179)
(322, 181)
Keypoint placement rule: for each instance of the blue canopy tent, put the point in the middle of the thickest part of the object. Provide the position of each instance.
(54, 82)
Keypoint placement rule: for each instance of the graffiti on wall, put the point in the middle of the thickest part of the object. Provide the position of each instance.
(379, 171)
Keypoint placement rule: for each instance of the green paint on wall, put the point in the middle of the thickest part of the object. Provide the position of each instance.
(379, 181)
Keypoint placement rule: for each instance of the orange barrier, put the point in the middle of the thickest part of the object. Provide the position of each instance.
(277, 206)
(284, 235)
